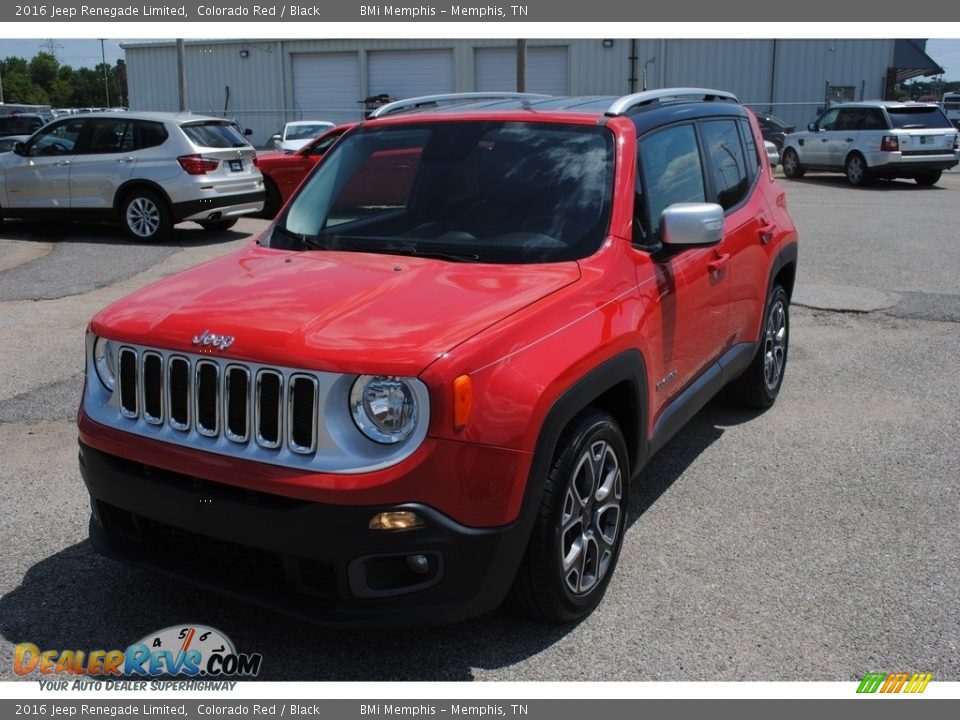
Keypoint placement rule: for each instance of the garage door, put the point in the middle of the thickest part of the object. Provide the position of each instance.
(409, 73)
(327, 86)
(547, 72)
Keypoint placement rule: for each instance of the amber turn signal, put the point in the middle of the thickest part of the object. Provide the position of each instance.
(462, 401)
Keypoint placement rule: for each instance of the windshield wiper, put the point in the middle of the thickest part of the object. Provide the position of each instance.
(391, 247)
(307, 241)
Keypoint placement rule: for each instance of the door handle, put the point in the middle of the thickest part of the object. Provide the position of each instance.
(62, 163)
(766, 234)
(823, 140)
(718, 263)
(848, 139)
(124, 161)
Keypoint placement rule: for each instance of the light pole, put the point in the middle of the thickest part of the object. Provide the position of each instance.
(106, 85)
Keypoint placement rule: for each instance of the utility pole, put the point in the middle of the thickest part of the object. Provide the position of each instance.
(521, 65)
(182, 74)
(106, 85)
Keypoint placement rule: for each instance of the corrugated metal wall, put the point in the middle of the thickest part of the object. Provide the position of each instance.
(783, 76)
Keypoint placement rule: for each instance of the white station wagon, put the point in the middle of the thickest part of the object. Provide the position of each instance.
(875, 139)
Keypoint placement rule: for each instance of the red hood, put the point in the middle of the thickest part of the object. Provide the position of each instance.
(338, 311)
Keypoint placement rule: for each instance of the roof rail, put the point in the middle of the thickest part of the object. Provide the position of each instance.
(648, 97)
(416, 102)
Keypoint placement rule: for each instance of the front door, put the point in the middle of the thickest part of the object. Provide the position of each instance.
(40, 177)
(688, 286)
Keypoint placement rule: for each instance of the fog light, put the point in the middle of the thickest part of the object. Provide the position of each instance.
(395, 520)
(418, 564)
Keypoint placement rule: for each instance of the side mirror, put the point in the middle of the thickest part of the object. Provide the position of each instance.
(812, 127)
(691, 224)
(248, 132)
(20, 148)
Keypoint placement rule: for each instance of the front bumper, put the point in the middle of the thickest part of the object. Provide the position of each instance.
(313, 560)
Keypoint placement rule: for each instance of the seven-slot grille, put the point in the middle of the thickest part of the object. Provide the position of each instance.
(220, 399)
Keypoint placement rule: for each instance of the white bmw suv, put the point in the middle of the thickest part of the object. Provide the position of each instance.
(145, 170)
(875, 139)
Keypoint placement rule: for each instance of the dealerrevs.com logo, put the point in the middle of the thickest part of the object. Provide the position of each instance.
(894, 683)
(182, 651)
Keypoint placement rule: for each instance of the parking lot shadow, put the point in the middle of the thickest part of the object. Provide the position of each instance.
(76, 599)
(45, 231)
(879, 184)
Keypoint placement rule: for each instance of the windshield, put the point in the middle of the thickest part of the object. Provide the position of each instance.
(306, 132)
(918, 117)
(501, 192)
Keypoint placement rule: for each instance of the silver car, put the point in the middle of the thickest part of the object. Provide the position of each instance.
(875, 139)
(145, 170)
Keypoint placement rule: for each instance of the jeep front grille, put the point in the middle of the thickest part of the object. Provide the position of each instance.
(212, 402)
(217, 399)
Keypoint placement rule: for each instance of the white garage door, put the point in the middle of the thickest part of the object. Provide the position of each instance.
(409, 73)
(547, 71)
(327, 86)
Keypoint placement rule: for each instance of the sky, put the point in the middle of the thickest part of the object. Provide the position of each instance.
(86, 53)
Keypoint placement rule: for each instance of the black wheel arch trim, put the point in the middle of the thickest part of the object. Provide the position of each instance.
(627, 367)
(136, 183)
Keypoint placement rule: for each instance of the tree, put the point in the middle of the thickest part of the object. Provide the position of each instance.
(43, 69)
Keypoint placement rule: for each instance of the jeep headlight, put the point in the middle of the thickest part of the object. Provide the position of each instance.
(104, 362)
(384, 407)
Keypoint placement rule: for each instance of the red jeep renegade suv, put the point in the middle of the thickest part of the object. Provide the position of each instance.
(428, 384)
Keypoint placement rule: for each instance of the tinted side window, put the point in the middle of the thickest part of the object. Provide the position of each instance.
(873, 119)
(213, 135)
(110, 135)
(150, 134)
(850, 119)
(828, 121)
(670, 172)
(727, 164)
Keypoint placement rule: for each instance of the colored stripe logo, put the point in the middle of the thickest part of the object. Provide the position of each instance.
(894, 682)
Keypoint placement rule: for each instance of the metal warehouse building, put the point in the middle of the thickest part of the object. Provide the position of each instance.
(264, 83)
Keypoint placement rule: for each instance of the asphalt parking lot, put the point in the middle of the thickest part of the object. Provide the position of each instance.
(817, 541)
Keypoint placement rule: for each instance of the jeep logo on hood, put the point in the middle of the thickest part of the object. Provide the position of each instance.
(207, 338)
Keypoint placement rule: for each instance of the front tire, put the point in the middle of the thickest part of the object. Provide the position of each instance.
(145, 216)
(576, 540)
(790, 163)
(858, 174)
(760, 383)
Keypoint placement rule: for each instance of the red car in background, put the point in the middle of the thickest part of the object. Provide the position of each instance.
(283, 173)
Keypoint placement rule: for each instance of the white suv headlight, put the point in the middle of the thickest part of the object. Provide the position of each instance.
(104, 362)
(384, 408)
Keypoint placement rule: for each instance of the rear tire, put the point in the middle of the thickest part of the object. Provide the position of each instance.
(217, 225)
(858, 174)
(790, 163)
(760, 383)
(576, 540)
(928, 178)
(145, 216)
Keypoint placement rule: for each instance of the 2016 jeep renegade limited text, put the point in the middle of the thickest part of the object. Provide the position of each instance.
(428, 384)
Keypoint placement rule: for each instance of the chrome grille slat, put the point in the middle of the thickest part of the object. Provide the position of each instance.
(269, 409)
(151, 387)
(128, 382)
(302, 414)
(236, 403)
(179, 392)
(206, 398)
